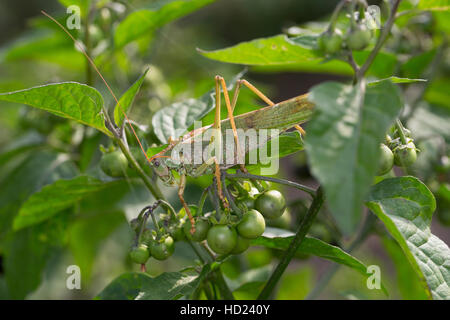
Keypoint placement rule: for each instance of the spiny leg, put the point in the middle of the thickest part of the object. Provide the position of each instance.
(264, 98)
(217, 127)
(182, 185)
(233, 105)
(230, 108)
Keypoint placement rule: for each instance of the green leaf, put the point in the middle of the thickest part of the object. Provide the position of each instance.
(314, 247)
(264, 51)
(141, 23)
(38, 169)
(56, 197)
(87, 234)
(69, 100)
(405, 205)
(56, 48)
(438, 92)
(249, 283)
(416, 65)
(28, 251)
(83, 4)
(175, 119)
(296, 285)
(140, 286)
(280, 53)
(438, 5)
(408, 282)
(317, 248)
(21, 144)
(154, 150)
(289, 143)
(126, 101)
(396, 80)
(430, 121)
(343, 143)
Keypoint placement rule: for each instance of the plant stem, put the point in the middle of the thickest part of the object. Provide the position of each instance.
(201, 202)
(155, 222)
(196, 251)
(335, 15)
(153, 188)
(306, 189)
(400, 131)
(210, 253)
(383, 36)
(364, 232)
(295, 243)
(222, 285)
(230, 198)
(214, 197)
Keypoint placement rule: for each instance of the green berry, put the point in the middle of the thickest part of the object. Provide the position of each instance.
(222, 239)
(386, 160)
(201, 230)
(114, 164)
(405, 155)
(330, 43)
(271, 204)
(252, 225)
(359, 39)
(139, 254)
(242, 245)
(283, 222)
(162, 249)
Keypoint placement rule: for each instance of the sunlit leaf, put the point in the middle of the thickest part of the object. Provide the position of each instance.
(396, 80)
(439, 5)
(126, 101)
(315, 247)
(407, 280)
(69, 100)
(280, 53)
(343, 142)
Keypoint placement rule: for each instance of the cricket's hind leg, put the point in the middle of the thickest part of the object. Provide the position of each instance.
(230, 108)
(261, 96)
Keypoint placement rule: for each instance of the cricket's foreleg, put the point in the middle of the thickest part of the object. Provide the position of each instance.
(182, 185)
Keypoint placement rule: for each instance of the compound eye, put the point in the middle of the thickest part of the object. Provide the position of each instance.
(156, 163)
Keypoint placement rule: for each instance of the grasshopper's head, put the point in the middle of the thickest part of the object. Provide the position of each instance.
(162, 170)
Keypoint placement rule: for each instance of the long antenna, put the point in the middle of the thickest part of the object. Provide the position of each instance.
(81, 48)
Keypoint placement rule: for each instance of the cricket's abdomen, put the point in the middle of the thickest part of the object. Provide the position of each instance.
(281, 116)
